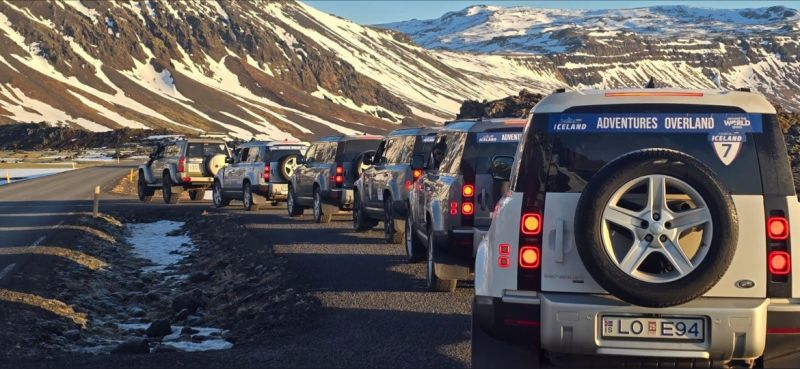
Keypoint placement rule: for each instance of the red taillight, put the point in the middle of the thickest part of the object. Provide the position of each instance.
(780, 263)
(339, 170)
(504, 261)
(529, 257)
(531, 224)
(417, 173)
(182, 164)
(339, 177)
(453, 208)
(339, 180)
(467, 208)
(408, 184)
(468, 190)
(266, 172)
(777, 228)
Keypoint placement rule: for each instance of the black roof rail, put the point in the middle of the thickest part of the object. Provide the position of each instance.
(560, 90)
(743, 89)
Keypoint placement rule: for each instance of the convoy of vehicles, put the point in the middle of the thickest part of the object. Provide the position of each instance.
(382, 191)
(257, 170)
(649, 226)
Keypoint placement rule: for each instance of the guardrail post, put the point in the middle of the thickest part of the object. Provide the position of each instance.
(96, 205)
(8, 177)
(130, 176)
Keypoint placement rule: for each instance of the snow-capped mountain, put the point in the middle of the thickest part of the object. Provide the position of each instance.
(269, 69)
(678, 45)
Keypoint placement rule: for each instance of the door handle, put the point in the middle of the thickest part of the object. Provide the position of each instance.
(483, 199)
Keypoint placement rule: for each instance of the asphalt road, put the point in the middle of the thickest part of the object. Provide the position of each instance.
(375, 309)
(32, 210)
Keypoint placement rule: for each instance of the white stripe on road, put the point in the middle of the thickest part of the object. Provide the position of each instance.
(6, 270)
(38, 241)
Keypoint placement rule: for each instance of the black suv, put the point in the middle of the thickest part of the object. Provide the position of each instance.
(382, 191)
(452, 204)
(324, 179)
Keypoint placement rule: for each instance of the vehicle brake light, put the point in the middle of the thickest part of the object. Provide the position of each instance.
(531, 224)
(417, 173)
(529, 257)
(182, 164)
(468, 190)
(408, 184)
(339, 170)
(453, 208)
(780, 263)
(467, 208)
(266, 172)
(504, 249)
(777, 228)
(339, 180)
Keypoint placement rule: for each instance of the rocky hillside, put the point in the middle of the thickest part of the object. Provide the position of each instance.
(680, 46)
(270, 69)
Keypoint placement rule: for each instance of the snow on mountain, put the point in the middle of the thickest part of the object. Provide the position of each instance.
(678, 45)
(255, 68)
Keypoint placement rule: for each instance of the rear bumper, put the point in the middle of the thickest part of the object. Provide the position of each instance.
(274, 191)
(196, 182)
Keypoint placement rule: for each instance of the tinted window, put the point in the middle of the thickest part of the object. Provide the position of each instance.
(311, 152)
(326, 152)
(348, 150)
(172, 150)
(455, 149)
(483, 147)
(199, 149)
(253, 155)
(399, 149)
(423, 144)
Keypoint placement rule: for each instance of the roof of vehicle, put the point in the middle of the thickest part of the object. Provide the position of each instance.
(484, 124)
(272, 143)
(349, 137)
(747, 101)
(413, 131)
(202, 140)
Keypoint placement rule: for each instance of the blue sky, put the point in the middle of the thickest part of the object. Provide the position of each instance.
(374, 12)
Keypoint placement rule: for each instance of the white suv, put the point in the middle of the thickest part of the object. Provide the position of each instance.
(643, 227)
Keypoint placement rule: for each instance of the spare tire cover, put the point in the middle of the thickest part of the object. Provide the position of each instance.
(212, 164)
(656, 228)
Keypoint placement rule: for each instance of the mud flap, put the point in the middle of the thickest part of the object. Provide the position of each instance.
(451, 271)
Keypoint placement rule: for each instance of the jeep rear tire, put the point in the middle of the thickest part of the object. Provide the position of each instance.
(168, 190)
(196, 195)
(144, 191)
(415, 250)
(433, 282)
(660, 272)
(292, 207)
(391, 233)
(361, 222)
(320, 213)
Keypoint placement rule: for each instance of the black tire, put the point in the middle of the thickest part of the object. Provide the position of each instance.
(391, 234)
(292, 207)
(415, 250)
(218, 196)
(196, 195)
(608, 180)
(320, 215)
(489, 352)
(144, 191)
(361, 221)
(247, 198)
(433, 282)
(169, 196)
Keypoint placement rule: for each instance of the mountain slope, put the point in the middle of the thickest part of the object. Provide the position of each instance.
(678, 45)
(247, 68)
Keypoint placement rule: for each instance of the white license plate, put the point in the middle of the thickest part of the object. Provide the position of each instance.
(194, 167)
(653, 328)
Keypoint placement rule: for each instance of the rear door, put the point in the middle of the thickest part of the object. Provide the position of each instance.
(369, 175)
(482, 149)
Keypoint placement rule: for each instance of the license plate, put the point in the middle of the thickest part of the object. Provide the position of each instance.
(194, 167)
(654, 328)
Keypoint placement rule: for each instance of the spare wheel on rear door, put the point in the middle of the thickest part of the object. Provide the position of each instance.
(287, 164)
(656, 228)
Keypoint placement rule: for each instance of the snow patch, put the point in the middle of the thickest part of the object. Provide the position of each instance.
(157, 243)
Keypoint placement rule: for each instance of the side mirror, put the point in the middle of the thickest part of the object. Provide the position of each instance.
(501, 168)
(301, 160)
(418, 162)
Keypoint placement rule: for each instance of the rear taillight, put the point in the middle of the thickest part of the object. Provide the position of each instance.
(777, 228)
(780, 263)
(468, 191)
(266, 172)
(339, 178)
(182, 164)
(529, 257)
(453, 207)
(531, 224)
(467, 208)
(408, 184)
(417, 173)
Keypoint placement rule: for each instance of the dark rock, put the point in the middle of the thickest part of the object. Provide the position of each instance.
(194, 320)
(72, 334)
(198, 277)
(159, 328)
(166, 348)
(188, 331)
(153, 296)
(136, 312)
(181, 315)
(190, 301)
(132, 346)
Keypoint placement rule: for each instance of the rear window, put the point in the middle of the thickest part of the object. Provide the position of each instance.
(482, 147)
(277, 154)
(575, 144)
(424, 144)
(200, 149)
(348, 150)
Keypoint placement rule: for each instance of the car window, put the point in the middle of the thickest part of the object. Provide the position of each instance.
(253, 155)
(351, 149)
(243, 155)
(408, 149)
(438, 151)
(326, 152)
(393, 148)
(452, 157)
(311, 152)
(172, 150)
(381, 149)
(211, 149)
